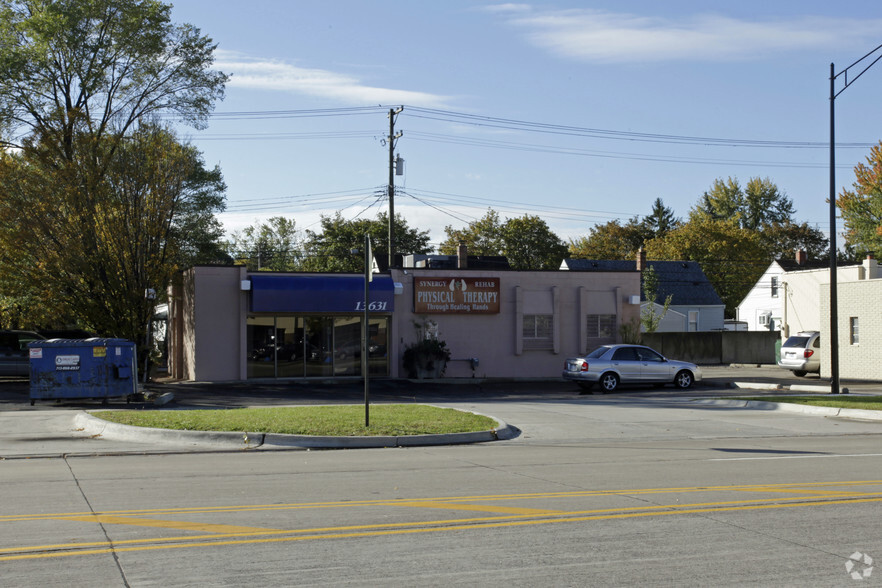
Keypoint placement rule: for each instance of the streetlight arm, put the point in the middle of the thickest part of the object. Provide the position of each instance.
(844, 72)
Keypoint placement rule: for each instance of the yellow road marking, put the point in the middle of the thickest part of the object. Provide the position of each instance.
(462, 527)
(479, 508)
(180, 525)
(799, 487)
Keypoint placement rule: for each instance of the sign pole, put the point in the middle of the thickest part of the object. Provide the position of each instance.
(365, 330)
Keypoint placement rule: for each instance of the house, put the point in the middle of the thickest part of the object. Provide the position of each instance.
(801, 291)
(763, 307)
(695, 304)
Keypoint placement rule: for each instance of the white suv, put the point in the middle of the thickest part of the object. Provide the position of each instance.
(801, 353)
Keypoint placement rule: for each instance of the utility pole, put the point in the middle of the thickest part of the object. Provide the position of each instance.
(393, 112)
(834, 300)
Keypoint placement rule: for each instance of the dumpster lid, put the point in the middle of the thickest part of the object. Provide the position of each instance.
(91, 342)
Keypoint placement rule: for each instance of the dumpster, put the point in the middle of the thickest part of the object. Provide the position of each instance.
(82, 368)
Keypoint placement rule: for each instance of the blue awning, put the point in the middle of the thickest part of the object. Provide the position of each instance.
(273, 293)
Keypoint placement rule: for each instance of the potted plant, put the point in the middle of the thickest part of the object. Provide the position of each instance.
(427, 358)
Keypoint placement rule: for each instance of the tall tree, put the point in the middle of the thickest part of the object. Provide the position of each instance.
(781, 240)
(861, 208)
(153, 190)
(531, 245)
(331, 249)
(273, 245)
(97, 67)
(483, 236)
(733, 258)
(526, 241)
(611, 240)
(77, 78)
(758, 205)
(660, 221)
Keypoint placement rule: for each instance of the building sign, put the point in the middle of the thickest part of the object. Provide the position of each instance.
(436, 295)
(274, 293)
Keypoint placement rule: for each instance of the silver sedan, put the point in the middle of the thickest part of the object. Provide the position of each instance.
(611, 365)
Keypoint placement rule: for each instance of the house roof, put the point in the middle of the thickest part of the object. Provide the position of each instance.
(791, 265)
(683, 280)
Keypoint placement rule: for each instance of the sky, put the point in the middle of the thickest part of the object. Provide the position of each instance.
(578, 113)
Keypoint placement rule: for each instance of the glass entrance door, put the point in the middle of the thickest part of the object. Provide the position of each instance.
(319, 351)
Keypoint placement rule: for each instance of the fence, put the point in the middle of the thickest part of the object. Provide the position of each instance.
(716, 347)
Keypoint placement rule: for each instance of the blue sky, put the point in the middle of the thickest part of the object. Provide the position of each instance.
(578, 115)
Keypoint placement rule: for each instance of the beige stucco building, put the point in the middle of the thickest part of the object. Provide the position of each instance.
(226, 323)
(859, 325)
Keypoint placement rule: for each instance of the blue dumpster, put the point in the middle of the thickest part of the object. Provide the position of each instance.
(82, 368)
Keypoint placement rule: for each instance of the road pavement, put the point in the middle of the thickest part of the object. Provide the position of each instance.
(51, 428)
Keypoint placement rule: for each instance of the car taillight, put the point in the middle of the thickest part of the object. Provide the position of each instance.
(809, 353)
(584, 366)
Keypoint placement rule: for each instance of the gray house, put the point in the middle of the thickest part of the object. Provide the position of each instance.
(695, 304)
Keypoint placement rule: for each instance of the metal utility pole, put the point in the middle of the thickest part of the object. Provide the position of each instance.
(834, 302)
(393, 112)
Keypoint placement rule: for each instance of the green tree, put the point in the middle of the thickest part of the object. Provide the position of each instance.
(861, 208)
(152, 191)
(331, 249)
(650, 316)
(781, 240)
(97, 67)
(660, 221)
(526, 241)
(482, 237)
(273, 245)
(531, 245)
(758, 205)
(611, 240)
(732, 258)
(79, 83)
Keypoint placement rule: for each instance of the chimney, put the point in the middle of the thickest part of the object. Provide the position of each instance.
(641, 260)
(871, 267)
(462, 256)
(801, 257)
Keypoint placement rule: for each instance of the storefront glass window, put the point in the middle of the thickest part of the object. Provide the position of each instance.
(314, 346)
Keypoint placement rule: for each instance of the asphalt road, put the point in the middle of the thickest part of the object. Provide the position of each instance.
(636, 488)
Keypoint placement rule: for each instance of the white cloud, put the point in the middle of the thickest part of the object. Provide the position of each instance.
(280, 76)
(608, 37)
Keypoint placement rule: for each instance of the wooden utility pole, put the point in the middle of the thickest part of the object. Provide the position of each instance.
(393, 112)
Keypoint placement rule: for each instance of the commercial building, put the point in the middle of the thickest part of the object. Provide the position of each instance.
(227, 323)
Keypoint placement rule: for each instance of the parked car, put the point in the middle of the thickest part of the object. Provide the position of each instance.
(14, 356)
(801, 353)
(611, 365)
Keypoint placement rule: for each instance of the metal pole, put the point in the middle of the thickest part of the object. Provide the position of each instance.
(834, 310)
(391, 188)
(365, 331)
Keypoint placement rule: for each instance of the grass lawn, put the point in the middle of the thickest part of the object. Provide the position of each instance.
(336, 421)
(834, 401)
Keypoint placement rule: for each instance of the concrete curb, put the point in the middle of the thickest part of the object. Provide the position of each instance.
(825, 411)
(94, 426)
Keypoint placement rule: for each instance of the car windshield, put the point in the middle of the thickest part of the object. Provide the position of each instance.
(796, 341)
(597, 353)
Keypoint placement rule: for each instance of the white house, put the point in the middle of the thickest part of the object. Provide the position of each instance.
(762, 309)
(801, 294)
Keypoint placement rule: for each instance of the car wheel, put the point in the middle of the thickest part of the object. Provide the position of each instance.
(683, 380)
(799, 373)
(609, 382)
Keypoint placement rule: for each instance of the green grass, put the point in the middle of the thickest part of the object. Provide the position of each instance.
(335, 421)
(837, 401)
